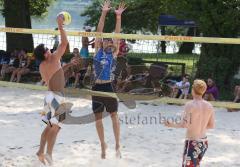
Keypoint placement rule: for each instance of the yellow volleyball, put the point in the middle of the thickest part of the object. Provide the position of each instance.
(66, 17)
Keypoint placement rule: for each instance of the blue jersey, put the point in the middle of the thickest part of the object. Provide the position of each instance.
(103, 64)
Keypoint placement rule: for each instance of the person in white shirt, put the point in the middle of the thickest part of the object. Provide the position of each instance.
(182, 87)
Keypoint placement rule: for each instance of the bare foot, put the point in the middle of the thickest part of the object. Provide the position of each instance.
(41, 157)
(49, 159)
(104, 147)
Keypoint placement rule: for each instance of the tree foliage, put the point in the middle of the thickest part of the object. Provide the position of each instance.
(18, 14)
(141, 15)
(36, 8)
(215, 18)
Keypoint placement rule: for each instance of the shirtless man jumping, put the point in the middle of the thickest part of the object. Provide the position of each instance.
(52, 74)
(198, 117)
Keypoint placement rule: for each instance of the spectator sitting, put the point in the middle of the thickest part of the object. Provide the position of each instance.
(212, 91)
(121, 66)
(181, 89)
(11, 65)
(72, 70)
(236, 99)
(2, 56)
(84, 52)
(4, 60)
(79, 70)
(123, 48)
(25, 66)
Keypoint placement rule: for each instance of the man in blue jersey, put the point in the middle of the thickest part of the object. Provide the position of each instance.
(105, 53)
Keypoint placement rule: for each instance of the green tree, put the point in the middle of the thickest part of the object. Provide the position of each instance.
(215, 18)
(140, 16)
(18, 14)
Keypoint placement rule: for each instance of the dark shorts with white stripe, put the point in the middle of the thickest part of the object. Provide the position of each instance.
(100, 102)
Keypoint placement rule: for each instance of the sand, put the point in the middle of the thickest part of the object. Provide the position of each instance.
(145, 141)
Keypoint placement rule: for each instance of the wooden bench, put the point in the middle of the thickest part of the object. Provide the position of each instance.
(32, 76)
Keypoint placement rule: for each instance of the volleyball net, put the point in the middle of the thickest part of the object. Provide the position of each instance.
(140, 47)
(142, 51)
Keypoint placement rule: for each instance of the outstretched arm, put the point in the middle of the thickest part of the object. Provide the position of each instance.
(185, 120)
(64, 42)
(118, 13)
(105, 8)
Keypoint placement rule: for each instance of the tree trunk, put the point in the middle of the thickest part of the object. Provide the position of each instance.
(17, 15)
(186, 47)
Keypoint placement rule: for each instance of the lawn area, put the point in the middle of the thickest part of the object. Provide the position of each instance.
(189, 60)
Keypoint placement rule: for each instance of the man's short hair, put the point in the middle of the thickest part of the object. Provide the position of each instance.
(39, 52)
(199, 87)
(186, 76)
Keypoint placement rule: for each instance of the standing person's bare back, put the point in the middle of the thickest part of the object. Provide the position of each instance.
(201, 118)
(198, 117)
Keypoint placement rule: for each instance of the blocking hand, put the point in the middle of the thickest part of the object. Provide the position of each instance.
(121, 8)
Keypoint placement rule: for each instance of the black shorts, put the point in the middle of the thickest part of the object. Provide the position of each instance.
(99, 102)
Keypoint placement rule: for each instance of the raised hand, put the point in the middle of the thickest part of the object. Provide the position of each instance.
(121, 8)
(60, 20)
(106, 6)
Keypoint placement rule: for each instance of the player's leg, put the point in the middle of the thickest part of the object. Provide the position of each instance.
(100, 132)
(111, 105)
(51, 139)
(116, 131)
(43, 141)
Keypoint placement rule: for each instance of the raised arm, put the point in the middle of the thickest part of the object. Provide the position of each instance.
(118, 12)
(64, 42)
(105, 8)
